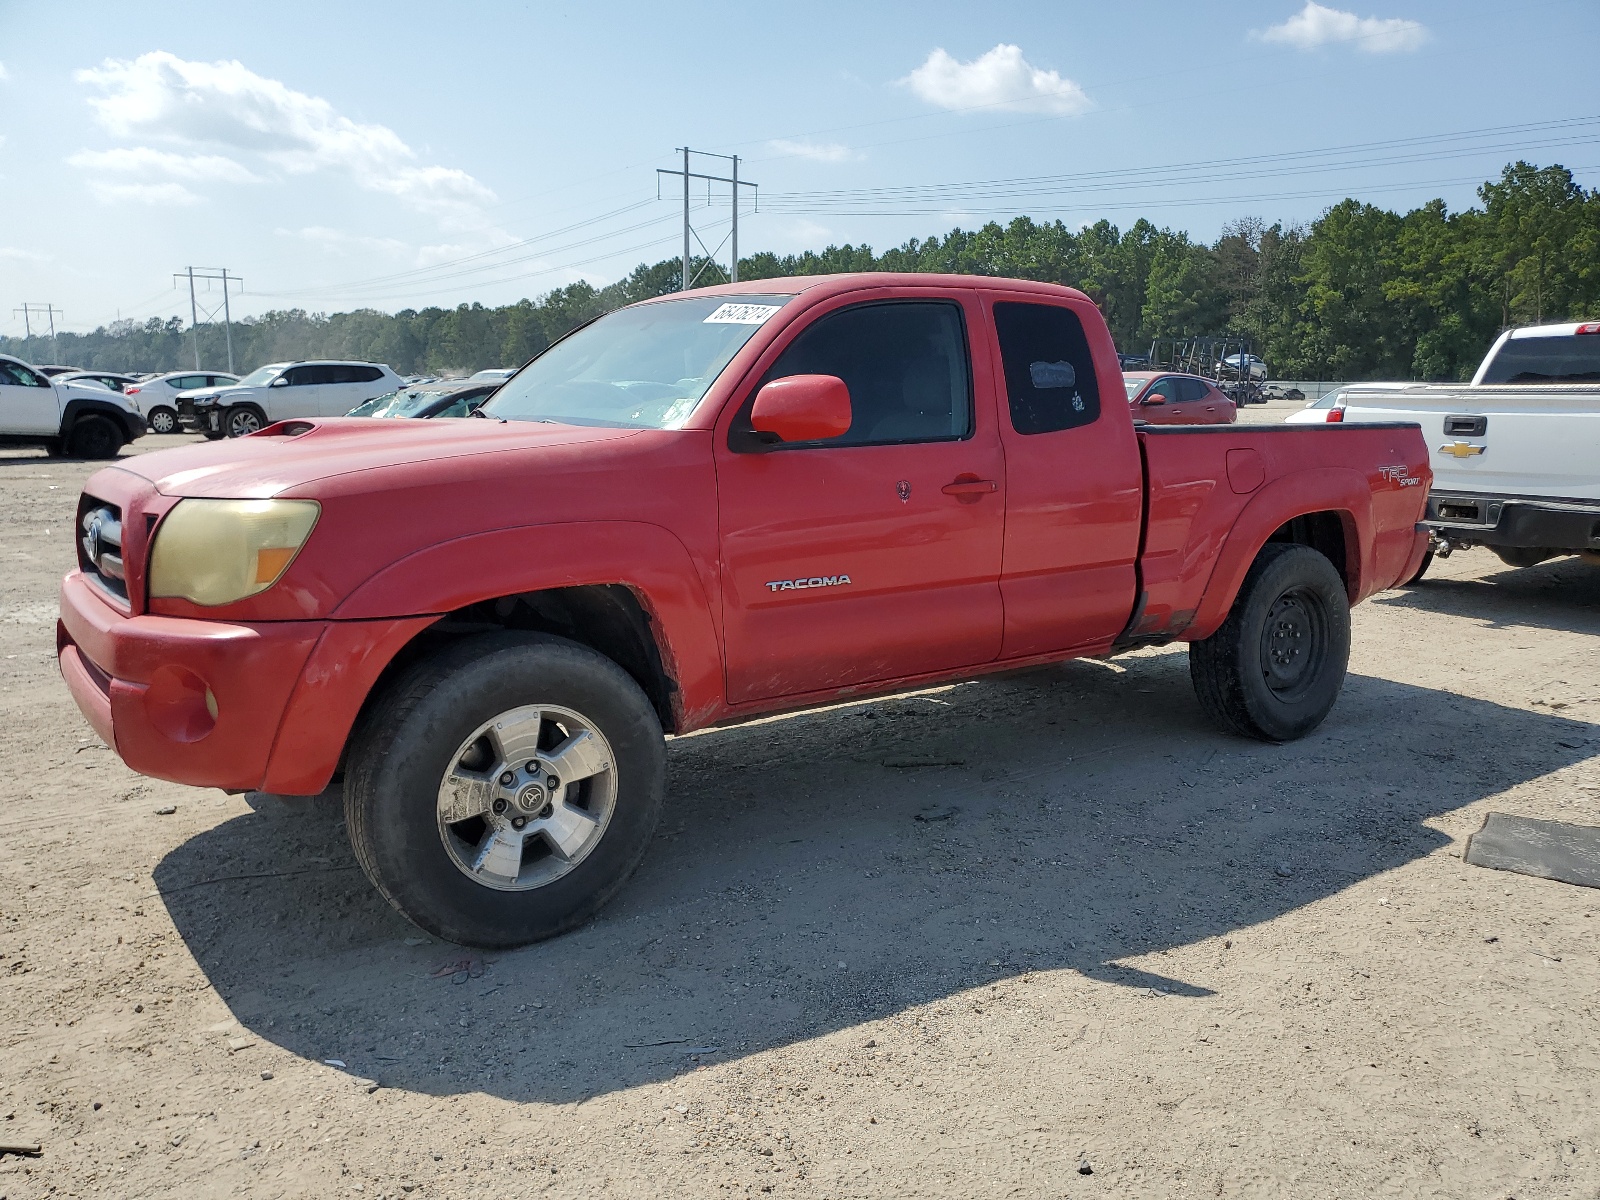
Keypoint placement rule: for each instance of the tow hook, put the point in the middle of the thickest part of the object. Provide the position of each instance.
(1441, 545)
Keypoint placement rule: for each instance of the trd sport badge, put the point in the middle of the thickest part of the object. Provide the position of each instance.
(903, 490)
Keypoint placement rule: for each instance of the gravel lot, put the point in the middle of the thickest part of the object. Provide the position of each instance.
(1100, 933)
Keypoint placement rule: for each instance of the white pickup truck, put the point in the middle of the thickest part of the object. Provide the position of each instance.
(1515, 453)
(83, 420)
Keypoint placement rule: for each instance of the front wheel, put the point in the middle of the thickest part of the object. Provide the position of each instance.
(1277, 664)
(94, 437)
(243, 420)
(504, 789)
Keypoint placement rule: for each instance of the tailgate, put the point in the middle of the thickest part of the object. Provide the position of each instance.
(1520, 441)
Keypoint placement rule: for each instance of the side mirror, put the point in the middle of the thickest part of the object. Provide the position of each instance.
(802, 408)
(280, 381)
(1158, 398)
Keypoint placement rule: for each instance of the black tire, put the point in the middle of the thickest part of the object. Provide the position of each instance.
(1277, 664)
(408, 740)
(1525, 556)
(163, 419)
(94, 437)
(1422, 569)
(214, 435)
(242, 420)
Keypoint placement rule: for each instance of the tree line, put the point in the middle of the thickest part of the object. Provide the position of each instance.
(1359, 293)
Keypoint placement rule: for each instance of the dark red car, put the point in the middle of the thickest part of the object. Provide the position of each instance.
(1165, 398)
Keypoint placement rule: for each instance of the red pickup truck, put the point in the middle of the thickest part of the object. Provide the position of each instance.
(697, 510)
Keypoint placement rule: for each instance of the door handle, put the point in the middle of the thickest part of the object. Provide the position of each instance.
(970, 487)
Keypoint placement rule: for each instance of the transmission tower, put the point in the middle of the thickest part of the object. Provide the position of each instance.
(735, 183)
(208, 275)
(50, 311)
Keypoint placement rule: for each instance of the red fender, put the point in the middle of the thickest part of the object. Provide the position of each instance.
(1322, 489)
(649, 560)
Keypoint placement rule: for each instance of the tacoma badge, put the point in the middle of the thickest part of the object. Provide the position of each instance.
(816, 581)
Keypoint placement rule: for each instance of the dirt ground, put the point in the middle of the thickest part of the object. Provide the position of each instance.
(1093, 932)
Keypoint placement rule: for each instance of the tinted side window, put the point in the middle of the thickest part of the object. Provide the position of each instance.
(363, 374)
(1049, 371)
(299, 376)
(905, 363)
(1574, 359)
(1192, 389)
(19, 376)
(1166, 388)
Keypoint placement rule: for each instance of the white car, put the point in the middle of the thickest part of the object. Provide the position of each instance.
(86, 421)
(158, 395)
(279, 391)
(497, 374)
(1330, 407)
(1515, 453)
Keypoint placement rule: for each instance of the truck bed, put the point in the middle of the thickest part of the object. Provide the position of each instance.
(1216, 492)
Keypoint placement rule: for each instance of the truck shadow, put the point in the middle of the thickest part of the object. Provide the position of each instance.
(821, 870)
(1563, 593)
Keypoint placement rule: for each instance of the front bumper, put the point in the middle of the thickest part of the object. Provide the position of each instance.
(264, 706)
(1517, 521)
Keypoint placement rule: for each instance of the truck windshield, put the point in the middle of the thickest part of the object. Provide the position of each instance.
(1573, 358)
(644, 367)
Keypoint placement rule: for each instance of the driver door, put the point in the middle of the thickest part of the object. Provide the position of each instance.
(874, 555)
(27, 401)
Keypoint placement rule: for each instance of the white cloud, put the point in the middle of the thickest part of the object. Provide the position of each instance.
(1002, 78)
(20, 255)
(4, 74)
(1316, 25)
(144, 160)
(226, 106)
(822, 152)
(143, 193)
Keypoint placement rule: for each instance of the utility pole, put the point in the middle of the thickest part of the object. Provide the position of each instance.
(688, 230)
(207, 274)
(29, 311)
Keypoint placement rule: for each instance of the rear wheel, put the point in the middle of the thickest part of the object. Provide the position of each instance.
(163, 420)
(503, 790)
(1422, 569)
(243, 420)
(94, 437)
(1277, 664)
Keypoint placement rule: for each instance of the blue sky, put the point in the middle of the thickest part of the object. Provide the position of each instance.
(395, 155)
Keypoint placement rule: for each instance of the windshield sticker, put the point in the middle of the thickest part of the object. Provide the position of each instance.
(741, 314)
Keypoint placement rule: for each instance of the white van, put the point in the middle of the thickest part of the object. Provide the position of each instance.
(1515, 453)
(279, 391)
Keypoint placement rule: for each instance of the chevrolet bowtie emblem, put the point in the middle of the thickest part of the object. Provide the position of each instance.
(1461, 449)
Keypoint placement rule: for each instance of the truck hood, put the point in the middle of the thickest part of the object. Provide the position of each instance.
(272, 463)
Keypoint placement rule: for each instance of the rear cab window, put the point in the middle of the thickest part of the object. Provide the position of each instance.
(1049, 371)
(1559, 358)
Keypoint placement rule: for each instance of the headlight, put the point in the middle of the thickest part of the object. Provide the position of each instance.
(217, 551)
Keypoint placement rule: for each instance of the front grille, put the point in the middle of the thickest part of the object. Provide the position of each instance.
(100, 545)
